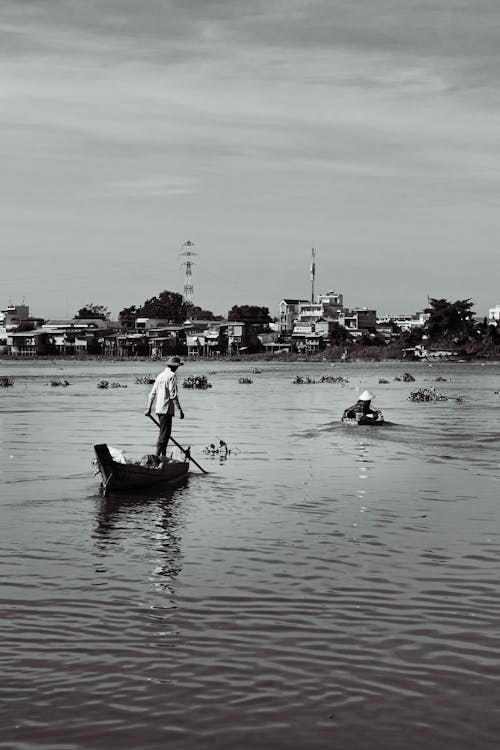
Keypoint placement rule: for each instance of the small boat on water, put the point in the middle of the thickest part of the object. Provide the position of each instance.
(361, 419)
(121, 476)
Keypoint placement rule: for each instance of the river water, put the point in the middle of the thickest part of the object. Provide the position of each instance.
(326, 586)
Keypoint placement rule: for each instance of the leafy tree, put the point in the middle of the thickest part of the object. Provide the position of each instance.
(370, 339)
(258, 316)
(167, 305)
(411, 337)
(93, 311)
(339, 335)
(127, 316)
(197, 313)
(450, 319)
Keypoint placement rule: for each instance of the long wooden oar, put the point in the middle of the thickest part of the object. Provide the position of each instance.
(187, 453)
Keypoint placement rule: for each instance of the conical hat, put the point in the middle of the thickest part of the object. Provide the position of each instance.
(366, 396)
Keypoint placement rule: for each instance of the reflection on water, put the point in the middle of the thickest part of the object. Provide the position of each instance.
(323, 586)
(119, 518)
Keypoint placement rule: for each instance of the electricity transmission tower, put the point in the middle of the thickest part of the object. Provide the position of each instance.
(188, 253)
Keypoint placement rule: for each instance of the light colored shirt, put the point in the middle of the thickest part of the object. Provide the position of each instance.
(164, 391)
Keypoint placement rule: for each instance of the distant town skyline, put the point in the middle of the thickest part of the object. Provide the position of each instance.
(368, 130)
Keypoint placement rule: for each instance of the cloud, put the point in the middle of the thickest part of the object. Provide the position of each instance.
(154, 186)
(262, 118)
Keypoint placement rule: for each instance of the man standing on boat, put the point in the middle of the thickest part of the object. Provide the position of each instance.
(165, 392)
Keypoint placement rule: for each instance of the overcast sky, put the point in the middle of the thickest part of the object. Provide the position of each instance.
(369, 129)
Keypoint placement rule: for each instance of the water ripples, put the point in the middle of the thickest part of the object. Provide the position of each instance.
(323, 587)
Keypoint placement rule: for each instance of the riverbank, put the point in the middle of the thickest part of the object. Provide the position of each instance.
(366, 354)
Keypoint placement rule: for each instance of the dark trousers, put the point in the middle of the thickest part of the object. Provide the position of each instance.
(165, 431)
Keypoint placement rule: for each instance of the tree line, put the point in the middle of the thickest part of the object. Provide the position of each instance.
(171, 306)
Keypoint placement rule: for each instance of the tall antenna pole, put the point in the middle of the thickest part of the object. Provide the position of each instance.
(313, 273)
(188, 253)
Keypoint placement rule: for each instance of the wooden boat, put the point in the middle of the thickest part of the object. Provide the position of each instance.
(127, 477)
(360, 419)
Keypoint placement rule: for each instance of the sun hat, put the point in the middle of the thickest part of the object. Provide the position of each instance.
(366, 396)
(174, 361)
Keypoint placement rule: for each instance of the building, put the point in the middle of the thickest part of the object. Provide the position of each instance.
(206, 344)
(332, 303)
(125, 344)
(494, 314)
(78, 335)
(289, 311)
(145, 324)
(13, 315)
(358, 321)
(165, 340)
(329, 307)
(307, 325)
(242, 337)
(28, 343)
(236, 336)
(310, 337)
(17, 318)
(405, 322)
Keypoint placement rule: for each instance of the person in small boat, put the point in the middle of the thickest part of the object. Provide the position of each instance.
(164, 394)
(362, 407)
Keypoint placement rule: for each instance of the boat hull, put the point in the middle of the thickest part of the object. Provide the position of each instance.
(355, 421)
(119, 477)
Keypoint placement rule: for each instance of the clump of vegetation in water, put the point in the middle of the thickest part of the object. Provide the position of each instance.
(5, 382)
(197, 381)
(64, 383)
(147, 379)
(426, 394)
(299, 380)
(334, 379)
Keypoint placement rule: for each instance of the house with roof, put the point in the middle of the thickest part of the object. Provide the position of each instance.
(78, 335)
(358, 321)
(165, 340)
(27, 343)
(311, 336)
(203, 344)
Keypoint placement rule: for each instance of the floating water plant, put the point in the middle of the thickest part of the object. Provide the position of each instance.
(426, 394)
(197, 381)
(147, 379)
